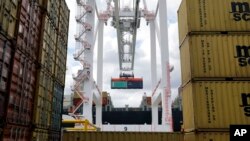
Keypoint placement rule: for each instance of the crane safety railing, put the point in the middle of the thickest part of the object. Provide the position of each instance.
(85, 125)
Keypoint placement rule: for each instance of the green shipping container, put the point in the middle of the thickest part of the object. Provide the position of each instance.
(118, 84)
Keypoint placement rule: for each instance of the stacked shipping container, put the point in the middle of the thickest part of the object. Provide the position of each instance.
(214, 37)
(8, 13)
(5, 65)
(51, 76)
(32, 68)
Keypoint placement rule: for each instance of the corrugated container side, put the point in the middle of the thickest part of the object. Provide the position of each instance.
(121, 136)
(57, 107)
(207, 136)
(212, 15)
(16, 133)
(6, 52)
(64, 10)
(215, 56)
(29, 29)
(60, 63)
(22, 91)
(63, 30)
(43, 100)
(206, 103)
(40, 135)
(47, 50)
(52, 7)
(64, 21)
(54, 136)
(8, 17)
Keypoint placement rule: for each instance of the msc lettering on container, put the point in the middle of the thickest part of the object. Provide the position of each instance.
(245, 97)
(243, 55)
(240, 11)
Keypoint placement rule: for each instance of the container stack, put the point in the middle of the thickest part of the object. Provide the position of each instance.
(18, 69)
(6, 54)
(32, 68)
(215, 65)
(51, 75)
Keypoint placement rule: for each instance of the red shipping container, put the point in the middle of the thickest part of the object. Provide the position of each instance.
(16, 133)
(29, 29)
(22, 91)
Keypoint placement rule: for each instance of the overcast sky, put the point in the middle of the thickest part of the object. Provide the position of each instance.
(142, 55)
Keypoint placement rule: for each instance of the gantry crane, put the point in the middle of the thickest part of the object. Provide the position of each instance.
(126, 21)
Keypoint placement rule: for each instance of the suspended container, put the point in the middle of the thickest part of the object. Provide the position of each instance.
(216, 57)
(29, 29)
(134, 84)
(121, 136)
(209, 105)
(207, 136)
(126, 83)
(213, 16)
(16, 133)
(8, 17)
(118, 84)
(22, 91)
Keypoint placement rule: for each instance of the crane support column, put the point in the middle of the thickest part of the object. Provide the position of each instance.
(153, 71)
(100, 72)
(88, 85)
(165, 84)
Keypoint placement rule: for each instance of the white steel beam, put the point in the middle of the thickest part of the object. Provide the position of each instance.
(96, 32)
(153, 55)
(88, 84)
(153, 71)
(137, 14)
(99, 80)
(155, 115)
(100, 72)
(156, 98)
(165, 84)
(157, 30)
(145, 5)
(117, 24)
